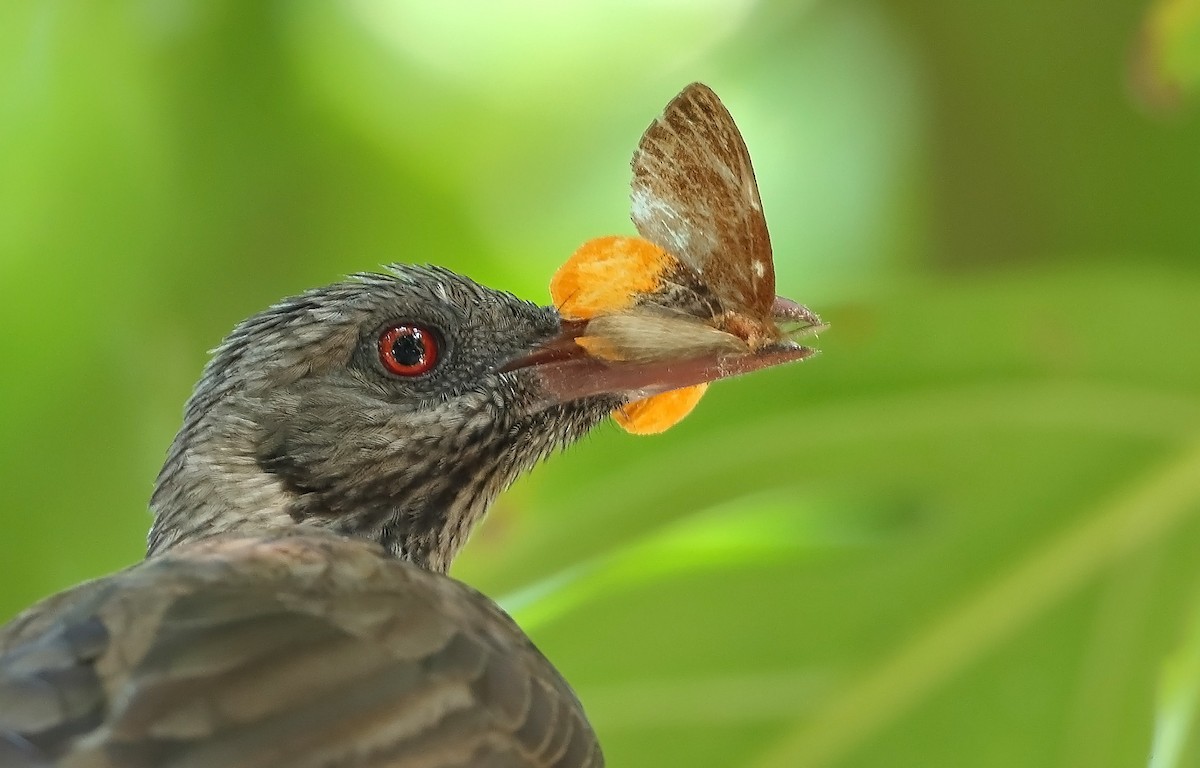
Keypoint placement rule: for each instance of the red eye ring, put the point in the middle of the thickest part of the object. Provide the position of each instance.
(408, 350)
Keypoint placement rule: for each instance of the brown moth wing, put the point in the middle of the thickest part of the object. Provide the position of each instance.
(695, 196)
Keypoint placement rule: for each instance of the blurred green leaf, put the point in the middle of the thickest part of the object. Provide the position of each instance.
(1179, 688)
(751, 530)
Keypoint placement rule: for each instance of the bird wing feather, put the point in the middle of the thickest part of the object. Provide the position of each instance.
(298, 650)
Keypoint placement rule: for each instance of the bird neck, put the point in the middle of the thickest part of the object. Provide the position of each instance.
(229, 473)
(211, 484)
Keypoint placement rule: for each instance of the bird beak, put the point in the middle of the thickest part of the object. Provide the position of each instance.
(579, 361)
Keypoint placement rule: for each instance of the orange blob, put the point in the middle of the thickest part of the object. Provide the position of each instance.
(598, 346)
(660, 412)
(606, 275)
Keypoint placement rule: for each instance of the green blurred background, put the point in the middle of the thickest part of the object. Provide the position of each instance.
(966, 534)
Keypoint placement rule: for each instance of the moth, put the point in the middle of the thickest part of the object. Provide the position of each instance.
(696, 292)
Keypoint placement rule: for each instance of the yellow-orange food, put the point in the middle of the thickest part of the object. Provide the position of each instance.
(598, 346)
(660, 412)
(606, 275)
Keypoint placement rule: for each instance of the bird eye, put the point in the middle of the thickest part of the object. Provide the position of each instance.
(408, 350)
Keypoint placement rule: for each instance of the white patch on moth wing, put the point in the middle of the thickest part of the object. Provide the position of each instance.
(727, 174)
(680, 239)
(646, 207)
(759, 268)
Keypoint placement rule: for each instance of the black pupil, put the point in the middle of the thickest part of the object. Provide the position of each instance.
(409, 348)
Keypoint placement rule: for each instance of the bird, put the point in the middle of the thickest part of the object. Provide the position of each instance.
(294, 607)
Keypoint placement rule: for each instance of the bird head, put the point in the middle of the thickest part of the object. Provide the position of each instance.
(375, 407)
